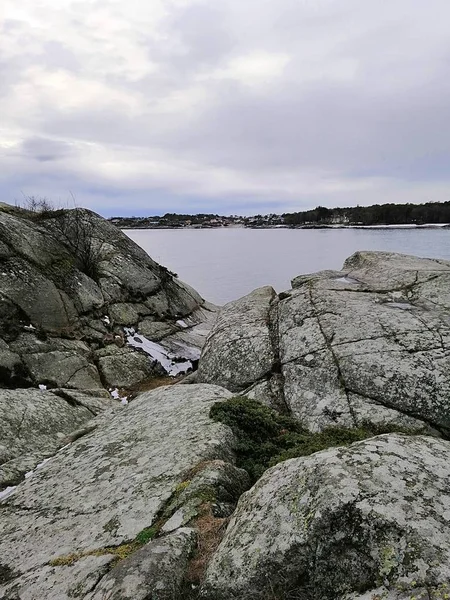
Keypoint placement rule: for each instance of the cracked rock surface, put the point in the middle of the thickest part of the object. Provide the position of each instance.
(34, 424)
(101, 491)
(369, 521)
(368, 343)
(70, 282)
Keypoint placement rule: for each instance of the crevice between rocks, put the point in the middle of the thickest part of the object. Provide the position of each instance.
(71, 400)
(334, 357)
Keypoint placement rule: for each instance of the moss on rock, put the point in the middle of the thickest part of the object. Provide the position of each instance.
(266, 437)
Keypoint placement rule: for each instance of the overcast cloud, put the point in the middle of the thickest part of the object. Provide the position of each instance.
(230, 106)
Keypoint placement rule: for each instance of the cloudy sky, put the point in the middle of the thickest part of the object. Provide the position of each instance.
(230, 106)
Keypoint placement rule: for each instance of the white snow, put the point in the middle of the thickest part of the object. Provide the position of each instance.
(115, 394)
(402, 305)
(42, 387)
(400, 226)
(165, 358)
(346, 280)
(29, 327)
(41, 464)
(106, 320)
(7, 492)
(182, 323)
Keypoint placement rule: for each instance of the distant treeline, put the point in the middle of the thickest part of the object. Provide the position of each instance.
(378, 214)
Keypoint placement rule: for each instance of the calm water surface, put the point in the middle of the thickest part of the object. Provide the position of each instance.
(224, 264)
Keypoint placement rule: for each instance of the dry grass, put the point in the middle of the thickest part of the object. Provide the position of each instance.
(210, 531)
(147, 386)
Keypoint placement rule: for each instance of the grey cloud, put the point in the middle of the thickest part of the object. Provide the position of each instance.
(365, 94)
(45, 150)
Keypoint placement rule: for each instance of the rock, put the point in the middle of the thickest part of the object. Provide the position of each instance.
(123, 314)
(342, 523)
(62, 369)
(239, 349)
(37, 297)
(12, 370)
(156, 330)
(214, 481)
(98, 494)
(124, 368)
(35, 423)
(69, 275)
(368, 343)
(155, 571)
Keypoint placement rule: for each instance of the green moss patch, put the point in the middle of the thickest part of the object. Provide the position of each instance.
(266, 437)
(120, 552)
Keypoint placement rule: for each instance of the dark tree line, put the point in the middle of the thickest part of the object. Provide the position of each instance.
(377, 214)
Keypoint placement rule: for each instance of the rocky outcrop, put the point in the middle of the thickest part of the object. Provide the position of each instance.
(70, 283)
(34, 424)
(144, 474)
(368, 521)
(243, 335)
(368, 343)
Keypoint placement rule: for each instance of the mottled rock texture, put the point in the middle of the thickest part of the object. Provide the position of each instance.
(34, 424)
(368, 343)
(367, 521)
(61, 529)
(69, 283)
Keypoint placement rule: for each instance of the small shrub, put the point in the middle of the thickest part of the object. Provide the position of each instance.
(266, 437)
(146, 535)
(35, 204)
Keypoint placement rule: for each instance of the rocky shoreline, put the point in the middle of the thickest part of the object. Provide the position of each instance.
(108, 491)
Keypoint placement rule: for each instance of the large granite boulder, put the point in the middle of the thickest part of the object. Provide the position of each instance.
(243, 334)
(368, 521)
(72, 282)
(368, 343)
(146, 472)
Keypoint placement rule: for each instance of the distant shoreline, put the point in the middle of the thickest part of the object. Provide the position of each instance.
(393, 226)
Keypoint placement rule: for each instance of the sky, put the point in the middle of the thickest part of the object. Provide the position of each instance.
(141, 107)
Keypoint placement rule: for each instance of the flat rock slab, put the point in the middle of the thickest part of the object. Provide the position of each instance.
(340, 522)
(106, 487)
(34, 424)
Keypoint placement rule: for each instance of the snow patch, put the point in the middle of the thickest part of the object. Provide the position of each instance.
(346, 280)
(42, 387)
(170, 362)
(29, 327)
(115, 394)
(182, 323)
(7, 492)
(41, 464)
(106, 320)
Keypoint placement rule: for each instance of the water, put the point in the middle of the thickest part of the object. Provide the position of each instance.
(225, 264)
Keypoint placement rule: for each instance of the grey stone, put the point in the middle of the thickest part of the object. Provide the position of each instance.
(239, 350)
(368, 343)
(12, 369)
(123, 314)
(72, 274)
(105, 488)
(35, 423)
(38, 297)
(125, 368)
(155, 330)
(340, 522)
(63, 369)
(155, 571)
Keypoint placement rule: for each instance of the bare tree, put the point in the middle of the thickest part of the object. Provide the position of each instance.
(76, 230)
